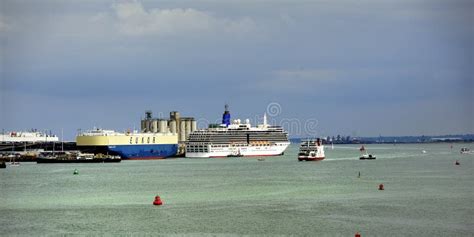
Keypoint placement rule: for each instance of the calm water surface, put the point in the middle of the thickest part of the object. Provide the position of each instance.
(425, 195)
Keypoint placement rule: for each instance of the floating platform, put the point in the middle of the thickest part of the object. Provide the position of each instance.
(75, 157)
(95, 160)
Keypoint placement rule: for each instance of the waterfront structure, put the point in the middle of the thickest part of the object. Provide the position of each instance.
(30, 137)
(183, 126)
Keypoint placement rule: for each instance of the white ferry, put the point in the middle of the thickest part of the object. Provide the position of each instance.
(236, 139)
(311, 150)
(30, 137)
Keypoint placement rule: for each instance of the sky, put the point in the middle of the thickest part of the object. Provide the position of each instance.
(318, 68)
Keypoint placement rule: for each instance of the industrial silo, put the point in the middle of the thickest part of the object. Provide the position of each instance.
(143, 125)
(172, 126)
(163, 126)
(188, 128)
(154, 126)
(148, 125)
(193, 125)
(182, 131)
(174, 115)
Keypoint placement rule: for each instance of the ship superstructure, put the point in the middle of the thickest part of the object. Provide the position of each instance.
(234, 138)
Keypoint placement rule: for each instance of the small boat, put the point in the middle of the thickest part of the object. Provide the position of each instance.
(12, 160)
(311, 150)
(365, 155)
(465, 150)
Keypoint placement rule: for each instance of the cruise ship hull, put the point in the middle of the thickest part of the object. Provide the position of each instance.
(245, 151)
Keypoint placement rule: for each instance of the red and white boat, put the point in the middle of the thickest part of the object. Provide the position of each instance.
(311, 150)
(364, 155)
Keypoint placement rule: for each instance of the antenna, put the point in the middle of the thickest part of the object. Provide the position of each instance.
(62, 139)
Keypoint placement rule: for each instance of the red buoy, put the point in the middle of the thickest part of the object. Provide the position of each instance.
(357, 234)
(157, 201)
(381, 187)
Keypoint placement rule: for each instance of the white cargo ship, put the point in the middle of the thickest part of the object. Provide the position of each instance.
(235, 139)
(30, 137)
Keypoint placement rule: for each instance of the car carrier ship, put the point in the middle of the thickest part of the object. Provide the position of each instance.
(236, 139)
(129, 145)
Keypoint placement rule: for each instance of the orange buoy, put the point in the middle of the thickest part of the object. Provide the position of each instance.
(157, 201)
(381, 187)
(357, 234)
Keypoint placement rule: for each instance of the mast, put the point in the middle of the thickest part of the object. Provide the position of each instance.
(62, 139)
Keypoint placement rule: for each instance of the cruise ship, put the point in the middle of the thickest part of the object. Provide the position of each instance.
(129, 145)
(235, 139)
(30, 137)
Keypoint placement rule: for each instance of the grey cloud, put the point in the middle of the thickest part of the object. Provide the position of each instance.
(165, 55)
(134, 19)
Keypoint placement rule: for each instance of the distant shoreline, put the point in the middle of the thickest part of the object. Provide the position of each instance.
(467, 138)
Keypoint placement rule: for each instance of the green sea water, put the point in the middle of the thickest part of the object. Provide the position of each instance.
(425, 195)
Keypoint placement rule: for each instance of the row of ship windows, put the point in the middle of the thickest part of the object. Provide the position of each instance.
(142, 140)
(218, 140)
(196, 150)
(240, 135)
(238, 145)
(196, 147)
(230, 145)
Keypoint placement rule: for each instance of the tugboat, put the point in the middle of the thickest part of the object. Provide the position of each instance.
(465, 150)
(365, 156)
(311, 150)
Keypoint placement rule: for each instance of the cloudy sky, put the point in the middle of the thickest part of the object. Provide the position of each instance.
(359, 68)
